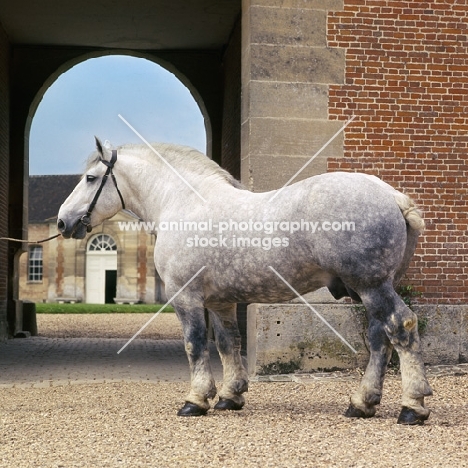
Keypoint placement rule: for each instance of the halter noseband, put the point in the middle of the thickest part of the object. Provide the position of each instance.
(86, 218)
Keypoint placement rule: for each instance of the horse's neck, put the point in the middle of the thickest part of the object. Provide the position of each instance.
(139, 188)
(153, 189)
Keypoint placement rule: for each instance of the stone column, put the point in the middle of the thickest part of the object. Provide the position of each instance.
(286, 71)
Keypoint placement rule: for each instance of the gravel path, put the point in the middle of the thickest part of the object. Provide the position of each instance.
(283, 425)
(165, 326)
(287, 424)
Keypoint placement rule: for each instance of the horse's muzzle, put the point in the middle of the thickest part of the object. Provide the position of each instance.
(75, 231)
(61, 225)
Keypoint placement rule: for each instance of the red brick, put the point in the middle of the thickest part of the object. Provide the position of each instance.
(405, 79)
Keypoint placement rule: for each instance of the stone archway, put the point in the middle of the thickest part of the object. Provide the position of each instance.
(31, 65)
(134, 56)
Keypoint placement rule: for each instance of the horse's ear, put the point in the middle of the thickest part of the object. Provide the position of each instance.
(103, 149)
(99, 145)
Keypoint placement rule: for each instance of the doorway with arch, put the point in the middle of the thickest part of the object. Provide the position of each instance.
(101, 270)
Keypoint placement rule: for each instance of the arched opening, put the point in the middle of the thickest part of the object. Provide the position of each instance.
(78, 105)
(85, 97)
(87, 274)
(196, 45)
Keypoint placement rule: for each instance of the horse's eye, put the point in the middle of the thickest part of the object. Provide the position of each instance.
(90, 178)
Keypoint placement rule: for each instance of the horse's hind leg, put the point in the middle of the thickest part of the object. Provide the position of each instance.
(196, 346)
(228, 341)
(364, 400)
(400, 325)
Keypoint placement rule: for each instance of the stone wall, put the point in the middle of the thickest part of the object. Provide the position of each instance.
(4, 171)
(283, 338)
(287, 70)
(36, 291)
(400, 69)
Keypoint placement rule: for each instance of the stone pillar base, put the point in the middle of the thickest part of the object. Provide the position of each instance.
(287, 338)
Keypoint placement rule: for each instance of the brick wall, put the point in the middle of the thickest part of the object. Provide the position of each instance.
(406, 80)
(4, 159)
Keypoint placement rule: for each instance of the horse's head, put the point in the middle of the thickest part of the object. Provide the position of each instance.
(94, 199)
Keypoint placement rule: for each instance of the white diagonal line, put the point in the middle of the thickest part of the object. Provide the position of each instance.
(161, 309)
(313, 157)
(159, 155)
(313, 310)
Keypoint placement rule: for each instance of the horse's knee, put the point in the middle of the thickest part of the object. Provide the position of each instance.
(193, 348)
(227, 334)
(196, 351)
(227, 344)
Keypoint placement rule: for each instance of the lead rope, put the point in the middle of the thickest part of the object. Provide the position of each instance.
(85, 219)
(28, 241)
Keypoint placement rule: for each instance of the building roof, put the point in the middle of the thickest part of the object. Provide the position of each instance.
(47, 193)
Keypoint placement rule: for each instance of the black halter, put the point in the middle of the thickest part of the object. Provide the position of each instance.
(86, 218)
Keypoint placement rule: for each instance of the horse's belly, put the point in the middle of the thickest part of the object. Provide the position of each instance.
(266, 285)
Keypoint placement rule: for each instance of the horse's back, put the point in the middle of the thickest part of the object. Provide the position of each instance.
(344, 194)
(359, 226)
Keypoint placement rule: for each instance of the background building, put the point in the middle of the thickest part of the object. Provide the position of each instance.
(109, 265)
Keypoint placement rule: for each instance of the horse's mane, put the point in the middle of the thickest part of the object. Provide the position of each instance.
(181, 157)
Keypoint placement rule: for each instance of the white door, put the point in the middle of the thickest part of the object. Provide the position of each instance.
(101, 256)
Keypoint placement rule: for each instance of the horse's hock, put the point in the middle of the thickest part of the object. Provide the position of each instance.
(286, 338)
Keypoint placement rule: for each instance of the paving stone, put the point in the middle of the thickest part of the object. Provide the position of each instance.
(280, 378)
(41, 362)
(64, 361)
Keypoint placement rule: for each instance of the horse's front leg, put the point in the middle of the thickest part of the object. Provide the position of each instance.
(196, 346)
(228, 341)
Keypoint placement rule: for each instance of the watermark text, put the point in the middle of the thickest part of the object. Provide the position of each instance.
(251, 225)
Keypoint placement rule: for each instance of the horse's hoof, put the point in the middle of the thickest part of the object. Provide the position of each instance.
(189, 409)
(226, 404)
(411, 418)
(353, 412)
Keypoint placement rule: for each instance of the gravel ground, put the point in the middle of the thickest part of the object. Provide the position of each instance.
(165, 326)
(282, 425)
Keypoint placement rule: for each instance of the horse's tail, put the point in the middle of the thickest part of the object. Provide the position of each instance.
(415, 226)
(410, 212)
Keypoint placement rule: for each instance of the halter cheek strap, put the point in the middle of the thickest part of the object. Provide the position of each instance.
(86, 219)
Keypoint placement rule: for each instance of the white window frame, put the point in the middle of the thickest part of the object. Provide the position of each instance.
(35, 264)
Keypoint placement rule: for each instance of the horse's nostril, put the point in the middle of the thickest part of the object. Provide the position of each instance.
(60, 225)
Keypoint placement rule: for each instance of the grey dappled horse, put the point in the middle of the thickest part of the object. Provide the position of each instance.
(363, 263)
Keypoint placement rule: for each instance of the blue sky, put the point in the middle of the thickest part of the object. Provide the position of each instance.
(86, 101)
